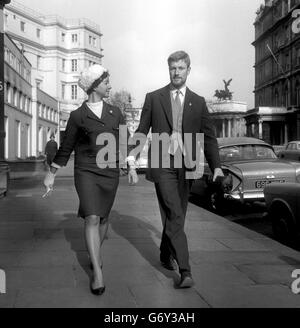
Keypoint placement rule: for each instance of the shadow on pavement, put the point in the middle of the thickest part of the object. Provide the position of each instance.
(75, 237)
(143, 243)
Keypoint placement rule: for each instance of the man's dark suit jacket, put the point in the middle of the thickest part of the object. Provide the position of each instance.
(82, 131)
(157, 113)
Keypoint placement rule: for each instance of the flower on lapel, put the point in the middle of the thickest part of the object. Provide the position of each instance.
(190, 104)
(110, 112)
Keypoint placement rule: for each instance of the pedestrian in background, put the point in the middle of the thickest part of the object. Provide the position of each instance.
(95, 186)
(51, 149)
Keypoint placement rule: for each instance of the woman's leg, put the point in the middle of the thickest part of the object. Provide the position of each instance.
(103, 229)
(93, 242)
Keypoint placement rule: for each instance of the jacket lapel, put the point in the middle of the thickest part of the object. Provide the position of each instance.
(166, 104)
(91, 115)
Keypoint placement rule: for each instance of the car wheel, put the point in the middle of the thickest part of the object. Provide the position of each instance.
(283, 226)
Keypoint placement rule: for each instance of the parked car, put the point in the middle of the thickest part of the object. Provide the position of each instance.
(283, 206)
(249, 165)
(291, 151)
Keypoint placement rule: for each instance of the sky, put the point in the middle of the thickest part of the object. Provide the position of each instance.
(139, 35)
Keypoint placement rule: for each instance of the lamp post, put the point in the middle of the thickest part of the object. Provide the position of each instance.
(2, 131)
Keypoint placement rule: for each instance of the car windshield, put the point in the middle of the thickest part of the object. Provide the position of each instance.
(246, 152)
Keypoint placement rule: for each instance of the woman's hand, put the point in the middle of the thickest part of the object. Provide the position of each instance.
(132, 177)
(49, 182)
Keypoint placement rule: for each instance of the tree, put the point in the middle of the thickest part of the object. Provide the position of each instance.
(121, 99)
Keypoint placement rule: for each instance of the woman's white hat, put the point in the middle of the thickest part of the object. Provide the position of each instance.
(89, 75)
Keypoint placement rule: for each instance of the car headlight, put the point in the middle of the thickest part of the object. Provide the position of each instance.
(298, 174)
(236, 182)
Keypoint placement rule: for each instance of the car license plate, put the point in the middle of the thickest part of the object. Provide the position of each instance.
(260, 184)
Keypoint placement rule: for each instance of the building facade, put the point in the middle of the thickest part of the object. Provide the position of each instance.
(27, 129)
(228, 118)
(58, 50)
(276, 116)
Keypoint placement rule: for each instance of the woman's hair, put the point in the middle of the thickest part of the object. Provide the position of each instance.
(97, 82)
(179, 55)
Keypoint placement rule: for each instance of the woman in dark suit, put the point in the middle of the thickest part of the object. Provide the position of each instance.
(96, 179)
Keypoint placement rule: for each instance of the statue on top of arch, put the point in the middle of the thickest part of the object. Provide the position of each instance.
(225, 94)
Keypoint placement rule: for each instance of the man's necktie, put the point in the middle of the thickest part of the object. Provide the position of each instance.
(176, 138)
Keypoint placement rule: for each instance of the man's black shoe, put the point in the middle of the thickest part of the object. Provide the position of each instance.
(169, 264)
(186, 280)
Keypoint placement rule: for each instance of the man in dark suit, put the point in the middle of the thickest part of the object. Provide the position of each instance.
(51, 149)
(177, 111)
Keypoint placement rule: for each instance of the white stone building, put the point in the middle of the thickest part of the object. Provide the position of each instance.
(30, 115)
(58, 49)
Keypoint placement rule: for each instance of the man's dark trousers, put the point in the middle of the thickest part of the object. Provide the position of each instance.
(172, 191)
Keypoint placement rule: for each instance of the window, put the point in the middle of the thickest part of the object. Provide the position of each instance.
(74, 92)
(276, 98)
(20, 100)
(12, 60)
(38, 33)
(6, 55)
(22, 26)
(63, 91)
(5, 19)
(29, 106)
(90, 39)
(63, 65)
(6, 137)
(38, 84)
(8, 93)
(74, 65)
(63, 36)
(297, 93)
(18, 139)
(38, 62)
(25, 103)
(298, 56)
(15, 97)
(94, 42)
(74, 38)
(28, 140)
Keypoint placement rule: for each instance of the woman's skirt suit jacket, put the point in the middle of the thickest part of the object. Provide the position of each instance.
(96, 186)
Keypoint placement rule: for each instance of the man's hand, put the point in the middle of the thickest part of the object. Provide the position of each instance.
(132, 177)
(218, 173)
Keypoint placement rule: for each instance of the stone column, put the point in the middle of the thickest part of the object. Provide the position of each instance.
(286, 136)
(260, 128)
(229, 128)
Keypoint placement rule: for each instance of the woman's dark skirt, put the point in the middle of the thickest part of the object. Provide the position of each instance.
(96, 189)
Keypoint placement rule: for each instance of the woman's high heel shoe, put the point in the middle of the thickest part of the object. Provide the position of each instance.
(98, 291)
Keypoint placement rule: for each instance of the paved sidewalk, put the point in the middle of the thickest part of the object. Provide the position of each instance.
(43, 254)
